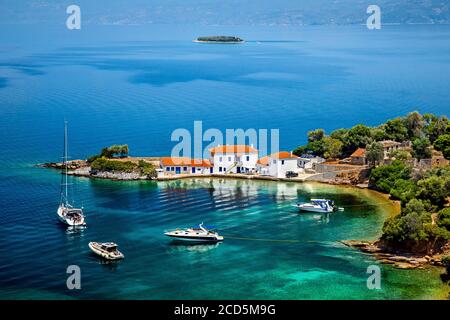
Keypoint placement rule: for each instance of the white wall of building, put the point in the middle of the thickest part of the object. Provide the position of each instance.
(223, 161)
(279, 167)
(171, 170)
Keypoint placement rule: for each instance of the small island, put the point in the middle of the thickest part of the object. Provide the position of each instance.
(219, 39)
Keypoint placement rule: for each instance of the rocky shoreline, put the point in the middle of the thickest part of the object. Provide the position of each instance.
(398, 259)
(81, 168)
(71, 165)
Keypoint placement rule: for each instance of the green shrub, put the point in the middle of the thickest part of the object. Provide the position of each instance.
(403, 190)
(93, 158)
(446, 261)
(413, 227)
(442, 143)
(383, 178)
(433, 189)
(103, 164)
(444, 218)
(147, 169)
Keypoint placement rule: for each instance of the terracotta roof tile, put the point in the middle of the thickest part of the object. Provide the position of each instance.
(279, 155)
(184, 161)
(233, 149)
(283, 155)
(360, 152)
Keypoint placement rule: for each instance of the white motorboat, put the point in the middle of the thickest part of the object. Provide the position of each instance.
(317, 205)
(196, 234)
(66, 212)
(107, 250)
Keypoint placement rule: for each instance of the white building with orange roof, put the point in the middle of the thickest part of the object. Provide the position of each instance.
(278, 164)
(234, 159)
(185, 165)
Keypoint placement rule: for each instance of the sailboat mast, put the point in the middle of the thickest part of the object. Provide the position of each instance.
(65, 160)
(66, 156)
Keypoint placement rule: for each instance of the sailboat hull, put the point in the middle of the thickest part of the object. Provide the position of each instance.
(68, 220)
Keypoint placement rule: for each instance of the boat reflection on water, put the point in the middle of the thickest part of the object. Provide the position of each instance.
(183, 246)
(107, 264)
(75, 230)
(324, 218)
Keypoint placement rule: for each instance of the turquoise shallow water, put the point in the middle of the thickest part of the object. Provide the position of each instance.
(136, 85)
(270, 251)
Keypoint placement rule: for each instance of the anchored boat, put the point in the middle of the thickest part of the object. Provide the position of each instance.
(197, 234)
(66, 212)
(107, 250)
(317, 205)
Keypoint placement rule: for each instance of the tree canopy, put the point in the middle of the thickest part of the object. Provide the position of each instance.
(424, 131)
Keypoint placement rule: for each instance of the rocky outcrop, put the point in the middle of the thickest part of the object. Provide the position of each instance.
(71, 165)
(87, 172)
(399, 259)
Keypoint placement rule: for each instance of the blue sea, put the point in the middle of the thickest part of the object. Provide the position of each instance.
(136, 85)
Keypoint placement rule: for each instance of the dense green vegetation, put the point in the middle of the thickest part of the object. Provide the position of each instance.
(105, 161)
(104, 164)
(113, 151)
(424, 131)
(446, 262)
(111, 165)
(424, 223)
(147, 169)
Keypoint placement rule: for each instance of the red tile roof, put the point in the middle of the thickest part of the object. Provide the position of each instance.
(184, 161)
(264, 161)
(360, 152)
(279, 155)
(233, 149)
(283, 155)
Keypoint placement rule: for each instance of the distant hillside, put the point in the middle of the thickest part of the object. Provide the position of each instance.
(225, 12)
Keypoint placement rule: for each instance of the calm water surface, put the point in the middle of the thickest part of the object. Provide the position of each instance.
(136, 85)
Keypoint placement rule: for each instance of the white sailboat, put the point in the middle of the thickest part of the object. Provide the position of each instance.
(66, 212)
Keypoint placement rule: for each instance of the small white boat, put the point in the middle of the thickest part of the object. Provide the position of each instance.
(196, 234)
(107, 250)
(317, 205)
(66, 212)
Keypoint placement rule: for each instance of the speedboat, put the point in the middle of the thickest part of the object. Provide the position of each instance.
(317, 205)
(197, 234)
(107, 250)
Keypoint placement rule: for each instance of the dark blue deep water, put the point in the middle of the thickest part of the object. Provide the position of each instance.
(135, 85)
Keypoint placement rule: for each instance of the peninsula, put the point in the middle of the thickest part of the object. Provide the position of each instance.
(406, 158)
